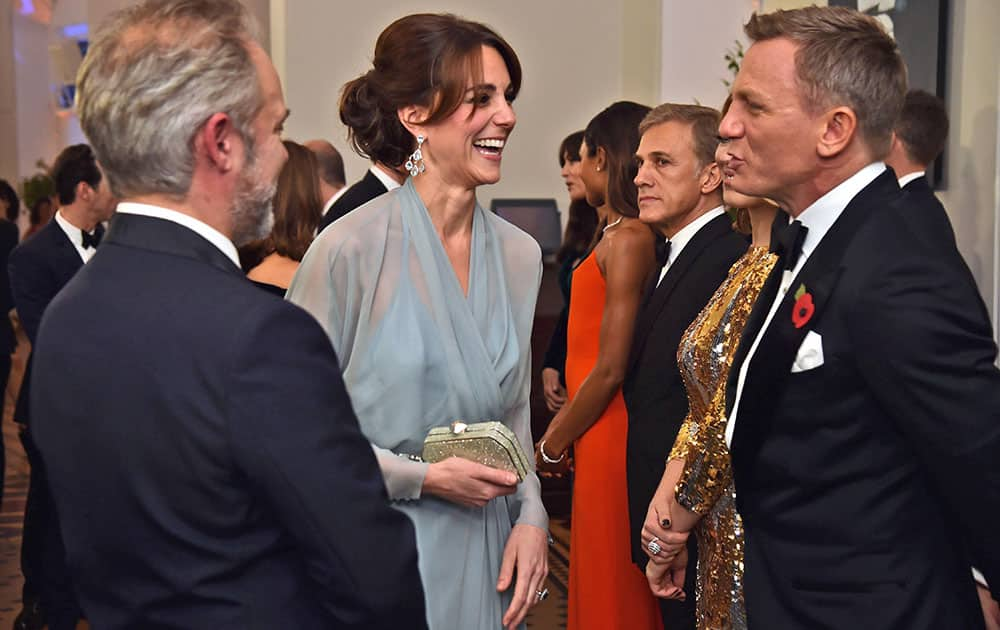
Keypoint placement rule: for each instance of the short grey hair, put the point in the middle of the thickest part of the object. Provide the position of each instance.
(154, 74)
(844, 58)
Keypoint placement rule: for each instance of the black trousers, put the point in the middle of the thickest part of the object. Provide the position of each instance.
(43, 556)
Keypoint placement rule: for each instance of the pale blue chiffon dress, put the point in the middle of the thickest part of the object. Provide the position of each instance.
(417, 353)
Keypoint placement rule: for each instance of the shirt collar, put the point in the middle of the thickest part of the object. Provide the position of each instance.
(203, 229)
(909, 177)
(822, 214)
(388, 182)
(74, 233)
(686, 233)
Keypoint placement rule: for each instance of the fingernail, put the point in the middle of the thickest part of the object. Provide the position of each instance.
(665, 523)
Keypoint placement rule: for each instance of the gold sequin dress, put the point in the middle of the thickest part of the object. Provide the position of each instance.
(705, 355)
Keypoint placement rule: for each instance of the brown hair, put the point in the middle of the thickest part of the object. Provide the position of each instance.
(298, 208)
(844, 57)
(424, 59)
(922, 126)
(616, 130)
(704, 122)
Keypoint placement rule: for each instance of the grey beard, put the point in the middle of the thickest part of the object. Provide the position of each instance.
(253, 211)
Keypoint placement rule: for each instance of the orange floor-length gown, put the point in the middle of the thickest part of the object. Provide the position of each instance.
(606, 591)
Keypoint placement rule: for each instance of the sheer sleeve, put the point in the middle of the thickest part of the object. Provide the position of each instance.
(330, 284)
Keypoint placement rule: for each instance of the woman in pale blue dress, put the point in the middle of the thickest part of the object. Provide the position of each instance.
(429, 302)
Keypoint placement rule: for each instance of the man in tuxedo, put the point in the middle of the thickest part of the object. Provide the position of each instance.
(39, 268)
(863, 401)
(202, 451)
(917, 140)
(379, 178)
(330, 171)
(680, 198)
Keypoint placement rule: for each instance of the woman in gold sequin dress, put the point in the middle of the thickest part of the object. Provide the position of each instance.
(698, 481)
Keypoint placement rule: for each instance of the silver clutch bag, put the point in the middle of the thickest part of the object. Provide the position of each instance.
(489, 443)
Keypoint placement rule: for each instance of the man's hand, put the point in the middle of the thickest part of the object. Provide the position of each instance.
(991, 611)
(667, 580)
(527, 551)
(555, 393)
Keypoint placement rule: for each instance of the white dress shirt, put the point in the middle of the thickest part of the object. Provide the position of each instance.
(201, 228)
(909, 177)
(75, 236)
(387, 181)
(818, 218)
(684, 235)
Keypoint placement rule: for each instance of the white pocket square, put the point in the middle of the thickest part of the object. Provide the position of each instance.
(810, 355)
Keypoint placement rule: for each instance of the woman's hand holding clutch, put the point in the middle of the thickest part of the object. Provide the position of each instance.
(468, 483)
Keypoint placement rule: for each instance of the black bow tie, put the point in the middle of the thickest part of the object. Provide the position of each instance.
(789, 243)
(662, 252)
(92, 240)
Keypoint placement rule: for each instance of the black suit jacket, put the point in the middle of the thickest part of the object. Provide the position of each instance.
(38, 269)
(654, 393)
(8, 241)
(205, 460)
(360, 193)
(870, 484)
(926, 214)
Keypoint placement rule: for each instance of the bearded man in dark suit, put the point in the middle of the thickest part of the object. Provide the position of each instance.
(203, 455)
(863, 403)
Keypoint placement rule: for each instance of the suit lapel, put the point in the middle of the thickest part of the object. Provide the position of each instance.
(160, 235)
(714, 229)
(772, 362)
(66, 258)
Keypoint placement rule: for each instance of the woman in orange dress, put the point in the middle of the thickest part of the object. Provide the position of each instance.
(605, 589)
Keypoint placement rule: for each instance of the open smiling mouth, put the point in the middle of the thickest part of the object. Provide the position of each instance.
(491, 147)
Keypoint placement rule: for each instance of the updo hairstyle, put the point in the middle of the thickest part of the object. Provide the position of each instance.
(423, 59)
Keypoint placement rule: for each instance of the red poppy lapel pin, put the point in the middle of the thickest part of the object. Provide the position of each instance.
(804, 308)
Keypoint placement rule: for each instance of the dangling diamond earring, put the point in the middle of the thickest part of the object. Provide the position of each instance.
(416, 164)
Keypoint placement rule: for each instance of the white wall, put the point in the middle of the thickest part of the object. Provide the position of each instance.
(696, 37)
(8, 100)
(575, 58)
(971, 159)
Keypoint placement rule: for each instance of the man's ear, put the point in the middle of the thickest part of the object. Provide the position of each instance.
(413, 118)
(216, 142)
(711, 178)
(840, 125)
(84, 192)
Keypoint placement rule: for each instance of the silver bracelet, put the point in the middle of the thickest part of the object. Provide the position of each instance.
(546, 458)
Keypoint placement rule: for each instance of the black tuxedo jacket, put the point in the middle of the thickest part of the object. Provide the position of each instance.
(38, 269)
(870, 484)
(926, 214)
(203, 455)
(360, 193)
(654, 394)
(8, 241)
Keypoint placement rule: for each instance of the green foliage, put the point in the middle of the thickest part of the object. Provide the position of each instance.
(733, 58)
(37, 186)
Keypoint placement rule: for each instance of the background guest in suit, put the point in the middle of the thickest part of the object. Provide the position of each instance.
(864, 401)
(697, 488)
(578, 239)
(680, 197)
(202, 451)
(917, 140)
(296, 214)
(330, 169)
(605, 590)
(10, 207)
(39, 268)
(379, 179)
